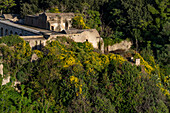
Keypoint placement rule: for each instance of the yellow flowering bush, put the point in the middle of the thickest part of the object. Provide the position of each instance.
(74, 80)
(148, 68)
(67, 60)
(152, 66)
(165, 91)
(88, 46)
(70, 76)
(93, 61)
(105, 60)
(54, 10)
(90, 71)
(117, 58)
(55, 47)
(78, 22)
(38, 53)
(28, 50)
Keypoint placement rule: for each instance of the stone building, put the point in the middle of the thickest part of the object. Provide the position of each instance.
(50, 21)
(82, 35)
(11, 17)
(44, 27)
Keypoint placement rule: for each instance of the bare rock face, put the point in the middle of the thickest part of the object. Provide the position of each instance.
(34, 57)
(6, 80)
(124, 45)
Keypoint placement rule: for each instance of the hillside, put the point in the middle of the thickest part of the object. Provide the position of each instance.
(66, 76)
(77, 78)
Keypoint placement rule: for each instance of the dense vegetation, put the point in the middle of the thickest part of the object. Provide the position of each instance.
(75, 78)
(78, 78)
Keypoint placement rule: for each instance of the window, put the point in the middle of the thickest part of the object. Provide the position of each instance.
(52, 28)
(66, 26)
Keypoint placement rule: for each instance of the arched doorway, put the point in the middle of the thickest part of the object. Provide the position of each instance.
(2, 32)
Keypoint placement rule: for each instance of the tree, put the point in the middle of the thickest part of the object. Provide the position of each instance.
(30, 7)
(78, 22)
(93, 19)
(54, 10)
(6, 5)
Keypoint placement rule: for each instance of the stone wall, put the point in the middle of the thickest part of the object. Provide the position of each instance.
(50, 21)
(124, 45)
(37, 37)
(36, 21)
(35, 42)
(8, 28)
(90, 35)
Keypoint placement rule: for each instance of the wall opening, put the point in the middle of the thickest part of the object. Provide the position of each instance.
(6, 32)
(52, 28)
(16, 33)
(36, 45)
(2, 32)
(86, 40)
(66, 26)
(99, 45)
(11, 32)
(40, 45)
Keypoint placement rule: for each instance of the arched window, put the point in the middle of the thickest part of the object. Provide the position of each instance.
(11, 32)
(16, 33)
(20, 34)
(6, 32)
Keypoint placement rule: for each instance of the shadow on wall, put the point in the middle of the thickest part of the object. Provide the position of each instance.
(37, 47)
(119, 51)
